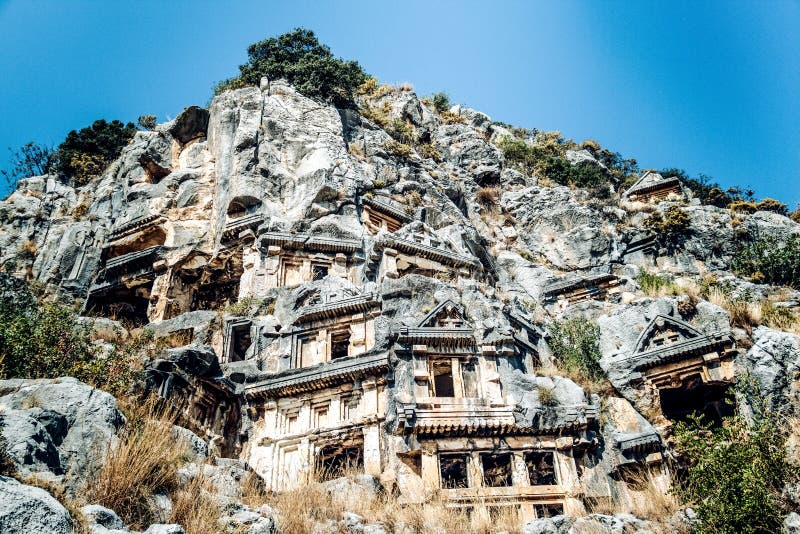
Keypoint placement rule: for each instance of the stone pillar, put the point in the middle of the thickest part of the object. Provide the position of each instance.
(272, 267)
(372, 450)
(519, 471)
(430, 468)
(475, 470)
(339, 267)
(388, 267)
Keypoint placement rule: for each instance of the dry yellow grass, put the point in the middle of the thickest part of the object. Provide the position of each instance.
(299, 509)
(143, 463)
(649, 499)
(194, 509)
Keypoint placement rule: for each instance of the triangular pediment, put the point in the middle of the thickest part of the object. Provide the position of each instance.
(447, 314)
(664, 331)
(422, 234)
(648, 179)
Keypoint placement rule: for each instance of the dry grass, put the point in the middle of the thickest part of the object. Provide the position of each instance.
(299, 509)
(649, 499)
(487, 197)
(142, 464)
(194, 508)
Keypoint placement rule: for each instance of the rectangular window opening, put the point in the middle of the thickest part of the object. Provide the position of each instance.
(548, 510)
(541, 468)
(318, 271)
(443, 385)
(334, 461)
(340, 344)
(453, 470)
(496, 469)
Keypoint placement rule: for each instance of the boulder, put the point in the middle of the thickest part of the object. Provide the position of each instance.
(25, 509)
(80, 422)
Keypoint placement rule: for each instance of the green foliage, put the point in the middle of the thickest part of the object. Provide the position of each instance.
(45, 340)
(546, 396)
(428, 151)
(440, 101)
(770, 261)
(751, 206)
(545, 157)
(31, 159)
(650, 283)
(575, 343)
(146, 122)
(401, 131)
(230, 84)
(671, 227)
(85, 152)
(734, 473)
(299, 58)
(710, 192)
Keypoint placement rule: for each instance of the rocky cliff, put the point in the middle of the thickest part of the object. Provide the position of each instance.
(330, 298)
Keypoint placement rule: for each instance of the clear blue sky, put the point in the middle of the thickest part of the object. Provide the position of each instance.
(710, 87)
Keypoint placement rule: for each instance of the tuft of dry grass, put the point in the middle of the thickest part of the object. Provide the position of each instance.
(487, 198)
(143, 463)
(649, 499)
(194, 508)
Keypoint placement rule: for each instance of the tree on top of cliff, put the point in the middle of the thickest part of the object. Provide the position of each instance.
(86, 152)
(308, 65)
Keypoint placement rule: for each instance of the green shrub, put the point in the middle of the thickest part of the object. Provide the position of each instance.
(671, 227)
(401, 131)
(440, 101)
(795, 215)
(147, 122)
(546, 396)
(31, 159)
(398, 149)
(85, 152)
(545, 157)
(428, 151)
(7, 466)
(45, 340)
(309, 66)
(770, 261)
(575, 344)
(650, 283)
(734, 473)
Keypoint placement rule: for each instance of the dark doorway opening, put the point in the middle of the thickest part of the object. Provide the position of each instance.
(711, 400)
(541, 468)
(340, 344)
(443, 379)
(240, 342)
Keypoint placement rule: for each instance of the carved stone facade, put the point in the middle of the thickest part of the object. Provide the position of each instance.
(653, 187)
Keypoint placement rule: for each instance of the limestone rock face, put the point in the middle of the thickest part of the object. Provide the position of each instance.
(376, 289)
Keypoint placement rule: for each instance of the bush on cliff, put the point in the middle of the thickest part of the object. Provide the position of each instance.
(299, 58)
(734, 473)
(46, 340)
(768, 261)
(86, 152)
(31, 159)
(575, 345)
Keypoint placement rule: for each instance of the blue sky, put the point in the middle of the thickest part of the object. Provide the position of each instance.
(710, 87)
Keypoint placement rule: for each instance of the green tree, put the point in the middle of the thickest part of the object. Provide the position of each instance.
(735, 473)
(86, 151)
(770, 261)
(31, 159)
(147, 122)
(575, 343)
(309, 66)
